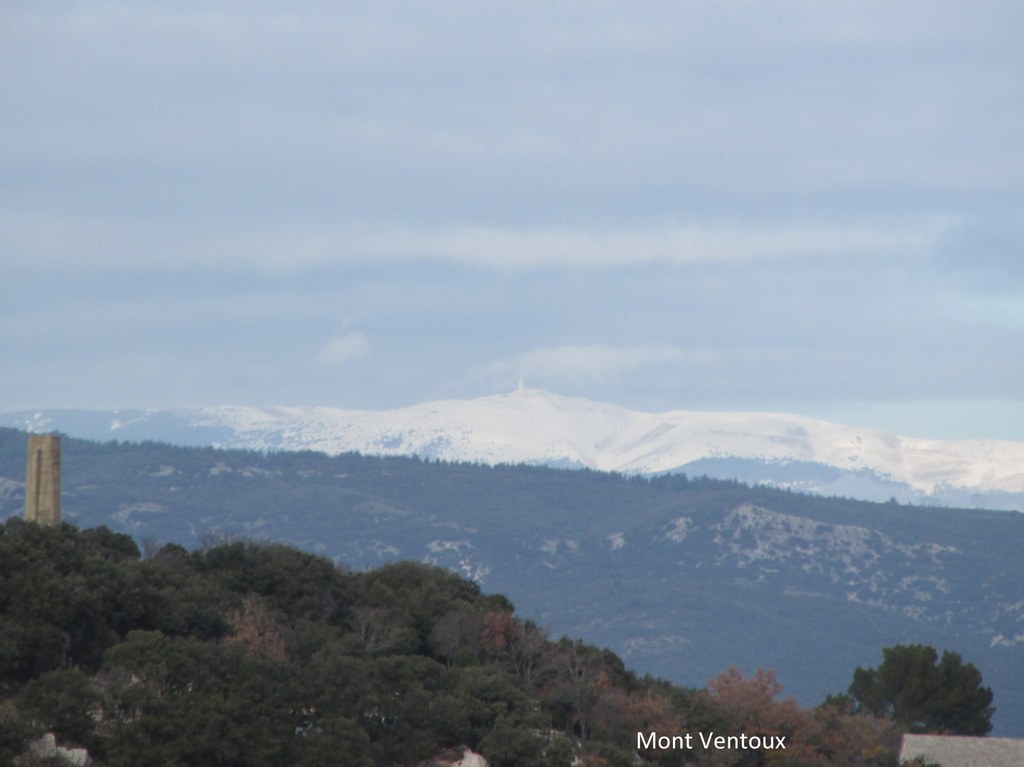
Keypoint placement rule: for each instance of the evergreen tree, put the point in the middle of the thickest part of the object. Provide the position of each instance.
(924, 693)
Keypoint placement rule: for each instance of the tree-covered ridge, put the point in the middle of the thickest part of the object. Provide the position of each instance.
(249, 653)
(671, 573)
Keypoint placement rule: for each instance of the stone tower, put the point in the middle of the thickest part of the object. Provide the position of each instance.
(42, 480)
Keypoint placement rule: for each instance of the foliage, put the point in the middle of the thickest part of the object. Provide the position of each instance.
(249, 654)
(925, 694)
(14, 734)
(542, 536)
(64, 702)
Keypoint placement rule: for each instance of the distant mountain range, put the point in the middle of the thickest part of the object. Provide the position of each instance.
(681, 576)
(531, 426)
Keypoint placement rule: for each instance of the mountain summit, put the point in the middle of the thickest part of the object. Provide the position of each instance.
(537, 427)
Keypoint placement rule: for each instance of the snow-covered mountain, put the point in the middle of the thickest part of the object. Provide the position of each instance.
(537, 427)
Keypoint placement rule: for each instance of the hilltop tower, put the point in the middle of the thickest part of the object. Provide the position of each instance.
(42, 480)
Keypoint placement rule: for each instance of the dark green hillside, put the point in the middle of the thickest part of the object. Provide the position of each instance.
(681, 577)
(258, 655)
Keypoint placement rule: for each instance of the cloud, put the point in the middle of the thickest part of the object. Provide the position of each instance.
(990, 245)
(795, 199)
(86, 244)
(343, 349)
(580, 362)
(672, 245)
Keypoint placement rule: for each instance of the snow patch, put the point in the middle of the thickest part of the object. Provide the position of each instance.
(536, 427)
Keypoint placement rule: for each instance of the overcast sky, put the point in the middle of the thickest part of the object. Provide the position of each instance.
(815, 207)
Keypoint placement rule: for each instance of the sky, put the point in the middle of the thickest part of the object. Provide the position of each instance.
(792, 206)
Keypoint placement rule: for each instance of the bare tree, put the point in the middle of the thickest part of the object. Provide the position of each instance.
(255, 627)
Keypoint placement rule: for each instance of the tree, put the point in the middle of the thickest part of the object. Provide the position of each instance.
(64, 702)
(257, 630)
(510, 746)
(923, 693)
(847, 736)
(455, 632)
(751, 705)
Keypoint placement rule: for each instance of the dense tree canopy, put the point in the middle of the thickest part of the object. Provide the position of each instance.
(247, 654)
(925, 693)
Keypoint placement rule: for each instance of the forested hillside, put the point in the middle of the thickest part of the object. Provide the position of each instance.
(681, 577)
(249, 654)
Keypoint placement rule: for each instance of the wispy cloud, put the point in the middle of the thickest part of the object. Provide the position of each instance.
(576, 363)
(675, 245)
(93, 243)
(530, 189)
(342, 349)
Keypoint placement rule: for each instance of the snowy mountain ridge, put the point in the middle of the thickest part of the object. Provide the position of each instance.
(537, 427)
